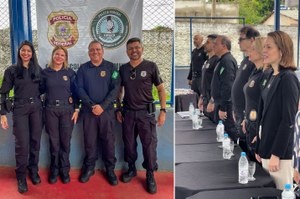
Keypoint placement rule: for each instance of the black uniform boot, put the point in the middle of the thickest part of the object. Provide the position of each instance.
(22, 185)
(35, 178)
(111, 177)
(126, 177)
(53, 177)
(65, 177)
(151, 184)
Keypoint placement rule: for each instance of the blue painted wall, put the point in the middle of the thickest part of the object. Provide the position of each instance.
(164, 149)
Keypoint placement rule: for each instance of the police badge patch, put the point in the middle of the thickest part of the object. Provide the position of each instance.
(103, 73)
(65, 78)
(143, 73)
(253, 115)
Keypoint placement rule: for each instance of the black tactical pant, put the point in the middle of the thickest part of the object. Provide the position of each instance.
(140, 123)
(59, 127)
(98, 132)
(27, 129)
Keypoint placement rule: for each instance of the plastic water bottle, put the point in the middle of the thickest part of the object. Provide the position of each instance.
(243, 169)
(195, 121)
(220, 131)
(191, 110)
(287, 193)
(226, 147)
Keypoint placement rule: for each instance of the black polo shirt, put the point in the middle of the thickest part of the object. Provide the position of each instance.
(138, 84)
(223, 79)
(58, 85)
(242, 76)
(199, 56)
(207, 74)
(98, 84)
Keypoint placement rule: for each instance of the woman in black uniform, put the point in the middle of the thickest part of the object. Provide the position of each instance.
(252, 91)
(60, 113)
(24, 78)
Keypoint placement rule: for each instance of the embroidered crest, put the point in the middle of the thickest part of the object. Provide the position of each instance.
(253, 115)
(251, 83)
(103, 73)
(245, 66)
(70, 100)
(143, 73)
(115, 75)
(65, 78)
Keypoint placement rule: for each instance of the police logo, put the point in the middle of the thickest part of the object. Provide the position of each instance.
(143, 73)
(65, 77)
(70, 100)
(245, 66)
(253, 115)
(111, 27)
(251, 83)
(103, 73)
(62, 29)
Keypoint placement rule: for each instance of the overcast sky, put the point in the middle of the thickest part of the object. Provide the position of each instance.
(156, 13)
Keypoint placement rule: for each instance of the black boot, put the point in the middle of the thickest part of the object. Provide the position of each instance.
(22, 185)
(65, 178)
(35, 178)
(151, 184)
(85, 175)
(53, 177)
(111, 177)
(126, 177)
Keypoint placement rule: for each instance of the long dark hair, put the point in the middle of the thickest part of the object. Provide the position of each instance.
(33, 67)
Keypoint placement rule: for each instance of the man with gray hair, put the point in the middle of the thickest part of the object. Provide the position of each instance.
(223, 78)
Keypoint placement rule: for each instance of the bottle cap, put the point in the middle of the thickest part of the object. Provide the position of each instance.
(287, 186)
(225, 135)
(243, 154)
(220, 122)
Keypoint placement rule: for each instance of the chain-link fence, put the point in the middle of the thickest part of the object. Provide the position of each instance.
(5, 53)
(158, 23)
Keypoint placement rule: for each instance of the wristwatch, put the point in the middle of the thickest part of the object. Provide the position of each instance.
(163, 110)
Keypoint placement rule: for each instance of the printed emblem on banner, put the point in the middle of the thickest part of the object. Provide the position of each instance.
(65, 77)
(111, 27)
(102, 73)
(62, 29)
(253, 115)
(251, 83)
(143, 73)
(245, 66)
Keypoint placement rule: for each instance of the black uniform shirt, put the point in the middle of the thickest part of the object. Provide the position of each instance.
(138, 84)
(222, 80)
(252, 90)
(98, 84)
(242, 76)
(59, 85)
(207, 74)
(198, 58)
(24, 88)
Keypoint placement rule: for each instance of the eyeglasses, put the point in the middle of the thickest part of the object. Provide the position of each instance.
(132, 74)
(242, 39)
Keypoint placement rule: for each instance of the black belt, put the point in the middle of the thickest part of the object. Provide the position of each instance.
(58, 102)
(30, 100)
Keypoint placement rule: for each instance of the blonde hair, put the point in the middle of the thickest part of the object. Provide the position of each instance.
(258, 46)
(65, 64)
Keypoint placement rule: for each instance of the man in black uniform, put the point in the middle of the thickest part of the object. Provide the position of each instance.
(137, 78)
(247, 37)
(198, 58)
(221, 84)
(98, 86)
(207, 73)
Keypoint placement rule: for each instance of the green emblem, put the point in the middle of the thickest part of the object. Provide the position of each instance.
(221, 70)
(111, 27)
(264, 82)
(115, 75)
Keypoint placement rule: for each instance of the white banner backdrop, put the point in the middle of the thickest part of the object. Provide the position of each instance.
(74, 23)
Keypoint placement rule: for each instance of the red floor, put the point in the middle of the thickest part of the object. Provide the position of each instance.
(97, 187)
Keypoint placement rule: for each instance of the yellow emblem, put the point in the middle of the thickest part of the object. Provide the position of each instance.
(253, 115)
(65, 77)
(103, 73)
(62, 29)
(251, 83)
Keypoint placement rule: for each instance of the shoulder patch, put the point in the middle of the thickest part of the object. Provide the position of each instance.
(115, 75)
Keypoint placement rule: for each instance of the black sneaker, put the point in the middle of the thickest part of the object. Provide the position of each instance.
(111, 177)
(85, 175)
(22, 185)
(35, 178)
(151, 184)
(127, 176)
